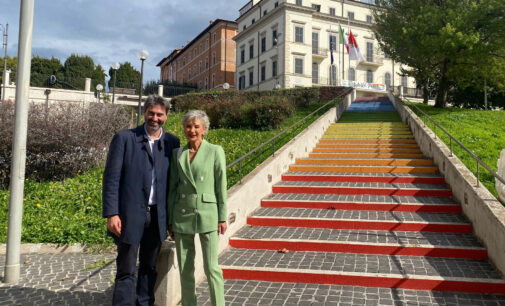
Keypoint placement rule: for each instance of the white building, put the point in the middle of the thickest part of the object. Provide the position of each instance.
(287, 42)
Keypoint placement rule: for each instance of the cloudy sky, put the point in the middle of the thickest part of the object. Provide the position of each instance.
(115, 30)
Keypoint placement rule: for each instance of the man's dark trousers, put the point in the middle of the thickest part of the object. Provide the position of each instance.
(127, 264)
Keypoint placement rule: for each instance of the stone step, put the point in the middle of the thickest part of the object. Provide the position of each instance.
(250, 292)
(366, 150)
(425, 178)
(365, 161)
(364, 169)
(407, 272)
(360, 241)
(360, 155)
(362, 202)
(369, 141)
(360, 219)
(398, 189)
(358, 136)
(368, 146)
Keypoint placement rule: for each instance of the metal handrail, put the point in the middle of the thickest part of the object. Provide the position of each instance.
(451, 138)
(271, 140)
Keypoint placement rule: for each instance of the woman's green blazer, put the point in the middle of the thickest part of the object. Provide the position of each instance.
(197, 190)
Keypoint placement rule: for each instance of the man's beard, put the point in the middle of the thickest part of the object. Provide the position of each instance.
(153, 128)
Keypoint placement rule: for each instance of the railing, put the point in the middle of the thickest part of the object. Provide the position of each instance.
(270, 144)
(319, 51)
(451, 139)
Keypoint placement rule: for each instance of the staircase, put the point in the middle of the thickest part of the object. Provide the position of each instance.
(364, 219)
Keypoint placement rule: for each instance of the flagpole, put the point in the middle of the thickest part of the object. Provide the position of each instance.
(343, 52)
(349, 58)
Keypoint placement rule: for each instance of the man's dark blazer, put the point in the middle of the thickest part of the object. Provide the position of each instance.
(127, 181)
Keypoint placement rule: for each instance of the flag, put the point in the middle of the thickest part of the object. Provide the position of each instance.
(331, 48)
(343, 41)
(353, 49)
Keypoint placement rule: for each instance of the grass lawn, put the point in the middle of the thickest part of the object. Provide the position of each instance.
(69, 211)
(482, 132)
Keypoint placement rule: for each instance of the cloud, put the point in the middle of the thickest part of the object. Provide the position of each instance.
(113, 31)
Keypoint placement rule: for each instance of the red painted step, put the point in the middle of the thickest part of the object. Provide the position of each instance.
(360, 224)
(360, 248)
(434, 208)
(370, 191)
(367, 280)
(363, 179)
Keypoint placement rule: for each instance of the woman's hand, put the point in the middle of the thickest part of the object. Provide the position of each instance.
(221, 227)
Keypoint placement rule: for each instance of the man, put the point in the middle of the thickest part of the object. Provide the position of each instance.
(135, 184)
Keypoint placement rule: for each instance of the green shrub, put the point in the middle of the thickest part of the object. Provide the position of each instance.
(267, 112)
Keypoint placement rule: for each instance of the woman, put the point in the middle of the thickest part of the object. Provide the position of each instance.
(197, 202)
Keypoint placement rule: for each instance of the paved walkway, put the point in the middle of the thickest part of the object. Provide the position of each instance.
(61, 279)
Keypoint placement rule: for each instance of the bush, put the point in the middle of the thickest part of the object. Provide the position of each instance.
(63, 140)
(267, 112)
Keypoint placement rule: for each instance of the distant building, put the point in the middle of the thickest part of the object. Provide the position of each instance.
(207, 61)
(286, 43)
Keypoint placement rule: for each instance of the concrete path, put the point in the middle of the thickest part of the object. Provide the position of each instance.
(61, 279)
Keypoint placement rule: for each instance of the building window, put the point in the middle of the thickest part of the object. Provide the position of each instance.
(184, 62)
(350, 15)
(245, 27)
(274, 68)
(214, 56)
(315, 43)
(299, 65)
(263, 44)
(206, 83)
(253, 21)
(206, 63)
(200, 85)
(352, 74)
(276, 4)
(214, 38)
(274, 37)
(368, 18)
(299, 2)
(201, 49)
(265, 12)
(213, 80)
(207, 43)
(299, 34)
(251, 51)
(315, 73)
(405, 81)
(242, 56)
(387, 79)
(189, 73)
(369, 51)
(263, 71)
(241, 81)
(251, 77)
(200, 67)
(194, 52)
(332, 11)
(317, 7)
(386, 55)
(333, 42)
(369, 76)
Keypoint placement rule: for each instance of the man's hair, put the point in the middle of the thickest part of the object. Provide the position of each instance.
(153, 100)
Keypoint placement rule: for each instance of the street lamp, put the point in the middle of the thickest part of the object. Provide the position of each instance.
(99, 88)
(114, 67)
(142, 55)
(5, 36)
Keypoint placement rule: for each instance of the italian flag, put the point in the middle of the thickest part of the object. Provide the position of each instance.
(342, 38)
(353, 49)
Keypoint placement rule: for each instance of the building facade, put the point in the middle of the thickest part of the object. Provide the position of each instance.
(286, 43)
(207, 61)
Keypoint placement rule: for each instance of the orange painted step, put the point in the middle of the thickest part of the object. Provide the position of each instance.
(364, 169)
(389, 146)
(386, 141)
(361, 150)
(375, 162)
(366, 155)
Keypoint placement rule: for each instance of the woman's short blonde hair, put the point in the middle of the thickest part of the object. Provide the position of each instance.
(197, 114)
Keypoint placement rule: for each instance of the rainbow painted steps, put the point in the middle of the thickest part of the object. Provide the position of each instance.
(364, 209)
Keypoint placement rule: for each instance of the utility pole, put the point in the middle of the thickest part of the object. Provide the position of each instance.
(5, 39)
(12, 266)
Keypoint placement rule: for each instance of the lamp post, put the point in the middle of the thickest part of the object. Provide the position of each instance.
(276, 41)
(142, 55)
(99, 88)
(114, 67)
(5, 36)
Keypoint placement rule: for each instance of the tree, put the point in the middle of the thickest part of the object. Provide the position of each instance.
(449, 41)
(127, 76)
(12, 65)
(77, 68)
(42, 69)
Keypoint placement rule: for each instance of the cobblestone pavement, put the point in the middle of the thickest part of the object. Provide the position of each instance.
(241, 292)
(61, 279)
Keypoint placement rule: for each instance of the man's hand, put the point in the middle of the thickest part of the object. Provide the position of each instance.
(221, 227)
(114, 225)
